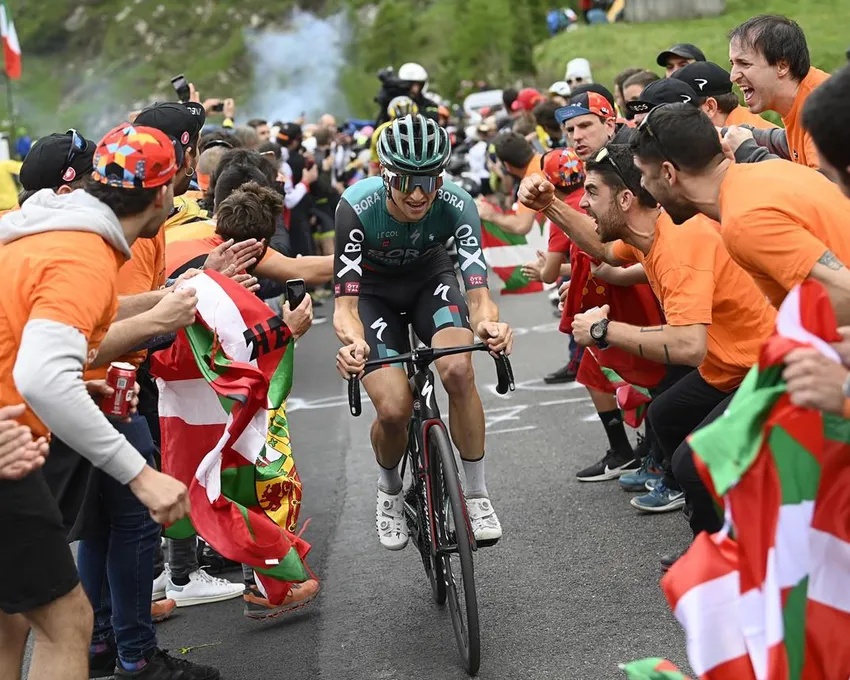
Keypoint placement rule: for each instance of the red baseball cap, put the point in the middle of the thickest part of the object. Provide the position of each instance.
(135, 157)
(527, 99)
(584, 103)
(564, 169)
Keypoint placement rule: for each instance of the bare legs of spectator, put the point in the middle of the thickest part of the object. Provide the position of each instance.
(62, 632)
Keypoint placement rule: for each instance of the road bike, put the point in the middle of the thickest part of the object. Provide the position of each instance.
(434, 504)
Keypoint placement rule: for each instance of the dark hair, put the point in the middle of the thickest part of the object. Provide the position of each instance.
(234, 177)
(511, 147)
(123, 202)
(523, 126)
(625, 176)
(256, 122)
(689, 138)
(642, 78)
(623, 76)
(509, 95)
(26, 194)
(250, 211)
(544, 114)
(776, 37)
(218, 138)
(825, 115)
(239, 157)
(269, 145)
(726, 103)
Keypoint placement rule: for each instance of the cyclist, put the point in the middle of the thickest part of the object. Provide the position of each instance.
(399, 107)
(391, 259)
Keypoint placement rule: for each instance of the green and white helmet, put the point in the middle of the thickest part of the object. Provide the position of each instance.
(414, 145)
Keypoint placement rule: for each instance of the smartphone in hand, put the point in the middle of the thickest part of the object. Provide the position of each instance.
(296, 291)
(181, 87)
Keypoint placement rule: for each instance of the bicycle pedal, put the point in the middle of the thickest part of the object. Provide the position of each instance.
(487, 544)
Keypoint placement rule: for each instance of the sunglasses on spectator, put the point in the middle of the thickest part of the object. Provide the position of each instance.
(605, 156)
(218, 142)
(578, 80)
(78, 145)
(407, 184)
(646, 125)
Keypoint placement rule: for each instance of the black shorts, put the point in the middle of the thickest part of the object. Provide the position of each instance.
(37, 567)
(429, 304)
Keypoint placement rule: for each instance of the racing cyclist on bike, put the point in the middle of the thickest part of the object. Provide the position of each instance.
(391, 259)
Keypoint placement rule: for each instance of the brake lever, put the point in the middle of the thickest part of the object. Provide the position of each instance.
(354, 395)
(504, 374)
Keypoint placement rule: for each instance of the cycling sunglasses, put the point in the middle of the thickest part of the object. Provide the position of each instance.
(78, 145)
(407, 184)
(646, 125)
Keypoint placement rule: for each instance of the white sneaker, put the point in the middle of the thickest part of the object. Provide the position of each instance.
(202, 589)
(482, 516)
(159, 584)
(390, 520)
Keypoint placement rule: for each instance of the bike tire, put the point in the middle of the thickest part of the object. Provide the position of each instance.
(430, 560)
(452, 507)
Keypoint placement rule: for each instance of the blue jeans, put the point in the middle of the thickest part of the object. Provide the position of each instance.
(116, 568)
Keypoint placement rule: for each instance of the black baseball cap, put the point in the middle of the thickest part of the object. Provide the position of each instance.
(667, 91)
(594, 87)
(706, 78)
(289, 132)
(57, 159)
(181, 122)
(684, 50)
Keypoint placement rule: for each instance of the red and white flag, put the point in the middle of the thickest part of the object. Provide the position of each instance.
(11, 46)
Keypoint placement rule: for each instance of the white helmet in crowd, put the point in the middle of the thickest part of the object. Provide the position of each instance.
(413, 73)
(560, 88)
(578, 71)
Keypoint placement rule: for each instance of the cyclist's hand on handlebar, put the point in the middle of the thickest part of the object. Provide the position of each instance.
(351, 359)
(497, 335)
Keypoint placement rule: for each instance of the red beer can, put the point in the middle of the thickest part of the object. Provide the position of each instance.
(121, 377)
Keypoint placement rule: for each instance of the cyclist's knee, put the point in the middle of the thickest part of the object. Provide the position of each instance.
(394, 413)
(456, 374)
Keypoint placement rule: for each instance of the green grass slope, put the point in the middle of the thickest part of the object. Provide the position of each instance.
(612, 48)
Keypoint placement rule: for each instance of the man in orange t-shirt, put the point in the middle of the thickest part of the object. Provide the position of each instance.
(782, 222)
(715, 317)
(60, 257)
(772, 66)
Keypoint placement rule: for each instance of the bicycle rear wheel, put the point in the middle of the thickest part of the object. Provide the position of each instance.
(455, 542)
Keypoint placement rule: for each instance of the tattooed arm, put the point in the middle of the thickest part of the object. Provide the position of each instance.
(681, 345)
(832, 273)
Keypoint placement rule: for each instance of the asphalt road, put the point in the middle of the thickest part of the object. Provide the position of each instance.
(568, 593)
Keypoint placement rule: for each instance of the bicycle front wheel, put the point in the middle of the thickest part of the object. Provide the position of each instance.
(455, 543)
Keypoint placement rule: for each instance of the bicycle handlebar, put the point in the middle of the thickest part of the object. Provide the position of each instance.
(427, 355)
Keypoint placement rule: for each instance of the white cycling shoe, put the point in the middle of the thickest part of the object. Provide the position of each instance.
(482, 516)
(390, 520)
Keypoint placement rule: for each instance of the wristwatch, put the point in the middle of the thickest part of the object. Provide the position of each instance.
(599, 331)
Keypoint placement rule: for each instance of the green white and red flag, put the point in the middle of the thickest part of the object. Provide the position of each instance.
(774, 602)
(632, 400)
(11, 46)
(223, 386)
(652, 669)
(505, 254)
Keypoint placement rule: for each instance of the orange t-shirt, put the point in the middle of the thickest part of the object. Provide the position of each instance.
(144, 272)
(741, 115)
(778, 218)
(697, 282)
(63, 276)
(800, 142)
(532, 168)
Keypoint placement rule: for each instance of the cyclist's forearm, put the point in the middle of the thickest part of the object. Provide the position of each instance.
(347, 324)
(481, 307)
(131, 305)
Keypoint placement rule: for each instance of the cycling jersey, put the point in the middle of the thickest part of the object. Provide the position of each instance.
(369, 238)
